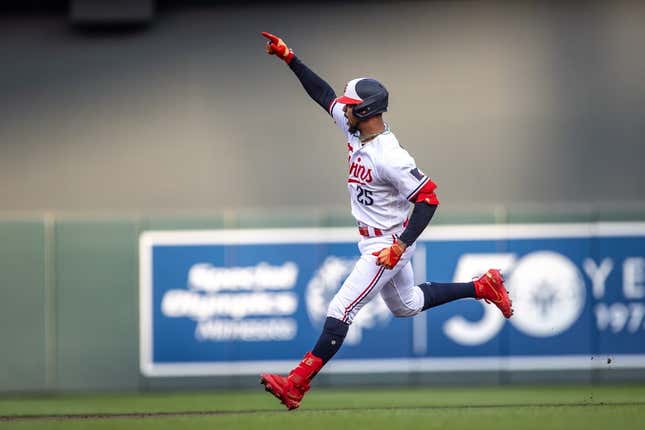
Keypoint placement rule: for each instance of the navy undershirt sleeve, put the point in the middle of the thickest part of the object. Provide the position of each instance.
(421, 216)
(316, 87)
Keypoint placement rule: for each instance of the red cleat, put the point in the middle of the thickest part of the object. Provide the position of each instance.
(283, 389)
(490, 287)
(291, 389)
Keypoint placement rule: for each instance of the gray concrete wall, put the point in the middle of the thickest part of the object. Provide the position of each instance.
(500, 104)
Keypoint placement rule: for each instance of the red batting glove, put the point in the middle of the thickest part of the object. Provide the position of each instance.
(276, 46)
(388, 257)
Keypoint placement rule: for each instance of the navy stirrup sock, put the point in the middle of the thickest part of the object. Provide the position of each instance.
(436, 293)
(330, 339)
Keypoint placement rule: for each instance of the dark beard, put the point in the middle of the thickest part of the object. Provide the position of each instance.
(352, 128)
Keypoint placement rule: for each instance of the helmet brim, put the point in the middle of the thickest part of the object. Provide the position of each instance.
(348, 100)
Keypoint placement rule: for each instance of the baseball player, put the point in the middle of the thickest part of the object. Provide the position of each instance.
(384, 183)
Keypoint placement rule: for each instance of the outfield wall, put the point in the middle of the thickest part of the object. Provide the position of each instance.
(70, 304)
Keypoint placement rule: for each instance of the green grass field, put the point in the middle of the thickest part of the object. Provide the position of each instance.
(514, 408)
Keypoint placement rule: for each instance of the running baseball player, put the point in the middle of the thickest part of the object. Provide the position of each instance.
(384, 183)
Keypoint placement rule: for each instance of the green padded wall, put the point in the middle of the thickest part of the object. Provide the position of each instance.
(23, 306)
(202, 222)
(69, 293)
(97, 304)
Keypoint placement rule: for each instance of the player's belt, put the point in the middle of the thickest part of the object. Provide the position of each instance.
(369, 231)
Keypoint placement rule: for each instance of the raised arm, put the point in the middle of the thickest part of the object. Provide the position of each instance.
(319, 90)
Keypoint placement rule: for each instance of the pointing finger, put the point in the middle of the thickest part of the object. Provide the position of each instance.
(271, 37)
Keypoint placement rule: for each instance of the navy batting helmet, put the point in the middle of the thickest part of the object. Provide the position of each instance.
(368, 96)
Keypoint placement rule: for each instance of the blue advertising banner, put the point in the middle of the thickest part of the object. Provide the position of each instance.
(249, 301)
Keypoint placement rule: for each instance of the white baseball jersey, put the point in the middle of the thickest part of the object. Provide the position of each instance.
(383, 178)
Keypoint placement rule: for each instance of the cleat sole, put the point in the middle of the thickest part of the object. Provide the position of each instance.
(268, 387)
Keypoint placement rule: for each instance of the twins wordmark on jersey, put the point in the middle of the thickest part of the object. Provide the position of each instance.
(359, 173)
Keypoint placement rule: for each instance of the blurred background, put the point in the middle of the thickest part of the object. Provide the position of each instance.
(124, 116)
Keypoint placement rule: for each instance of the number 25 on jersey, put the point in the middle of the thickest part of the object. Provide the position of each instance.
(364, 196)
